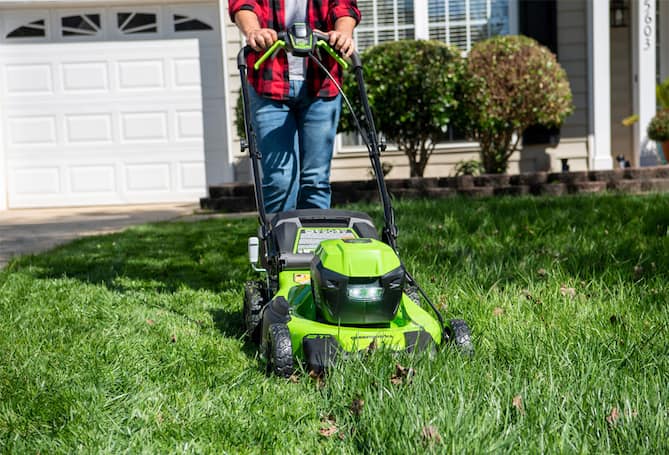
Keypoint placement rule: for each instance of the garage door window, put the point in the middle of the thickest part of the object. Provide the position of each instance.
(133, 23)
(35, 29)
(188, 24)
(81, 25)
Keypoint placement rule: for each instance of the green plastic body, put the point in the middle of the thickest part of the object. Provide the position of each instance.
(295, 288)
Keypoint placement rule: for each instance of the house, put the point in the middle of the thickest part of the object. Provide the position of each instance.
(115, 102)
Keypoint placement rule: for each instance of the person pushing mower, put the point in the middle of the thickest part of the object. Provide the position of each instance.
(295, 107)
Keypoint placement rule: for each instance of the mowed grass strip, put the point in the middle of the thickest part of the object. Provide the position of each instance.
(135, 341)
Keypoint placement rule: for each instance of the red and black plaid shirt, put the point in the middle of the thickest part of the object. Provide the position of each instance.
(271, 80)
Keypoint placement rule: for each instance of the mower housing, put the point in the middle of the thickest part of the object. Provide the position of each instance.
(357, 281)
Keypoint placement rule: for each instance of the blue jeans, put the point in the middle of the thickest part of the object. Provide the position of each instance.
(296, 141)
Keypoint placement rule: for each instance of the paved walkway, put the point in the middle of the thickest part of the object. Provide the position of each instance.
(29, 231)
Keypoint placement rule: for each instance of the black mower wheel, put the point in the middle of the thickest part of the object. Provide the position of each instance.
(461, 337)
(279, 351)
(254, 301)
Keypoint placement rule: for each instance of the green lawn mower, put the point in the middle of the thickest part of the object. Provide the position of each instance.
(331, 286)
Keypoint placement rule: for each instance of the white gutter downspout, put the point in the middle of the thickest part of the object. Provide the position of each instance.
(599, 86)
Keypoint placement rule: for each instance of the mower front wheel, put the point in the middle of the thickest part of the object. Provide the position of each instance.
(461, 336)
(254, 301)
(279, 351)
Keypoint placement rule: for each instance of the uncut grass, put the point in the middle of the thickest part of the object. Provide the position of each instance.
(134, 341)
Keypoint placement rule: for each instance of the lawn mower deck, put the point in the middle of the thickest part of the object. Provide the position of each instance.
(296, 236)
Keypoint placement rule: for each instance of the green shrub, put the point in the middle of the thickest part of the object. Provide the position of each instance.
(412, 88)
(658, 128)
(512, 82)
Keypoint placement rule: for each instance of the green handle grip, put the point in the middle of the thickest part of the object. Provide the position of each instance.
(334, 54)
(278, 44)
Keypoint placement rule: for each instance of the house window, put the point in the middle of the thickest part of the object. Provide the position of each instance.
(133, 23)
(464, 22)
(384, 20)
(188, 24)
(35, 29)
(80, 25)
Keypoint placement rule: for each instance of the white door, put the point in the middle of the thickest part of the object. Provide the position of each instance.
(104, 106)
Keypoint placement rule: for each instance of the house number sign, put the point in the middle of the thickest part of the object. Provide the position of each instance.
(648, 24)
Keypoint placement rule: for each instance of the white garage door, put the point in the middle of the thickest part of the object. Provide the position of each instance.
(104, 106)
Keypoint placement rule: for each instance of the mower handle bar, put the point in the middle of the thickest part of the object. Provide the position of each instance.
(322, 41)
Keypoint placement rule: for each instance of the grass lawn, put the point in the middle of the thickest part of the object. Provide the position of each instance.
(134, 341)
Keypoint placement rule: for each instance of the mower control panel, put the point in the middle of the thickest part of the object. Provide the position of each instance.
(308, 239)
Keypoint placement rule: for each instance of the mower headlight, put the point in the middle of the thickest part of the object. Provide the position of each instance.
(364, 293)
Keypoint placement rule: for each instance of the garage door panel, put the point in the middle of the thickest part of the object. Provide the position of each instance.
(31, 79)
(144, 127)
(88, 128)
(141, 75)
(150, 177)
(191, 175)
(32, 130)
(93, 179)
(36, 181)
(85, 77)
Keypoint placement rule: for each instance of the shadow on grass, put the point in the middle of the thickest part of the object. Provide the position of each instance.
(164, 257)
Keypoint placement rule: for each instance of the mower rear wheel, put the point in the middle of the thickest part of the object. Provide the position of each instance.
(279, 351)
(254, 301)
(461, 336)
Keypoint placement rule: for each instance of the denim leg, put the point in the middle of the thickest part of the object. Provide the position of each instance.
(317, 120)
(276, 132)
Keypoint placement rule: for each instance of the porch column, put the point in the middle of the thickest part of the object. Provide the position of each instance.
(644, 28)
(599, 82)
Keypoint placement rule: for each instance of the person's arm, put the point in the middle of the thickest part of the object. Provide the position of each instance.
(341, 38)
(257, 37)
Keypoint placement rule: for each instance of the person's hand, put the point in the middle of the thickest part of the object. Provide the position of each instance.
(261, 38)
(342, 42)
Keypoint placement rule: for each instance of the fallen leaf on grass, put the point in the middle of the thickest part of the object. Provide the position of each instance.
(613, 416)
(293, 378)
(402, 374)
(328, 426)
(318, 378)
(150, 321)
(517, 403)
(567, 291)
(431, 434)
(498, 311)
(542, 272)
(356, 406)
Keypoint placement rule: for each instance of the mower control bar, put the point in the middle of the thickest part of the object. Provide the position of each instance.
(301, 46)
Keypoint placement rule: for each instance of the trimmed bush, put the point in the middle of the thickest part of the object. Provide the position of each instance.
(512, 82)
(413, 92)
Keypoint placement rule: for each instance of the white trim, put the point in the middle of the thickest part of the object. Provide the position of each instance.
(643, 93)
(3, 165)
(422, 20)
(599, 82)
(228, 172)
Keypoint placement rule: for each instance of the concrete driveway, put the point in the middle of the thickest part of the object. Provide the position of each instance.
(35, 230)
